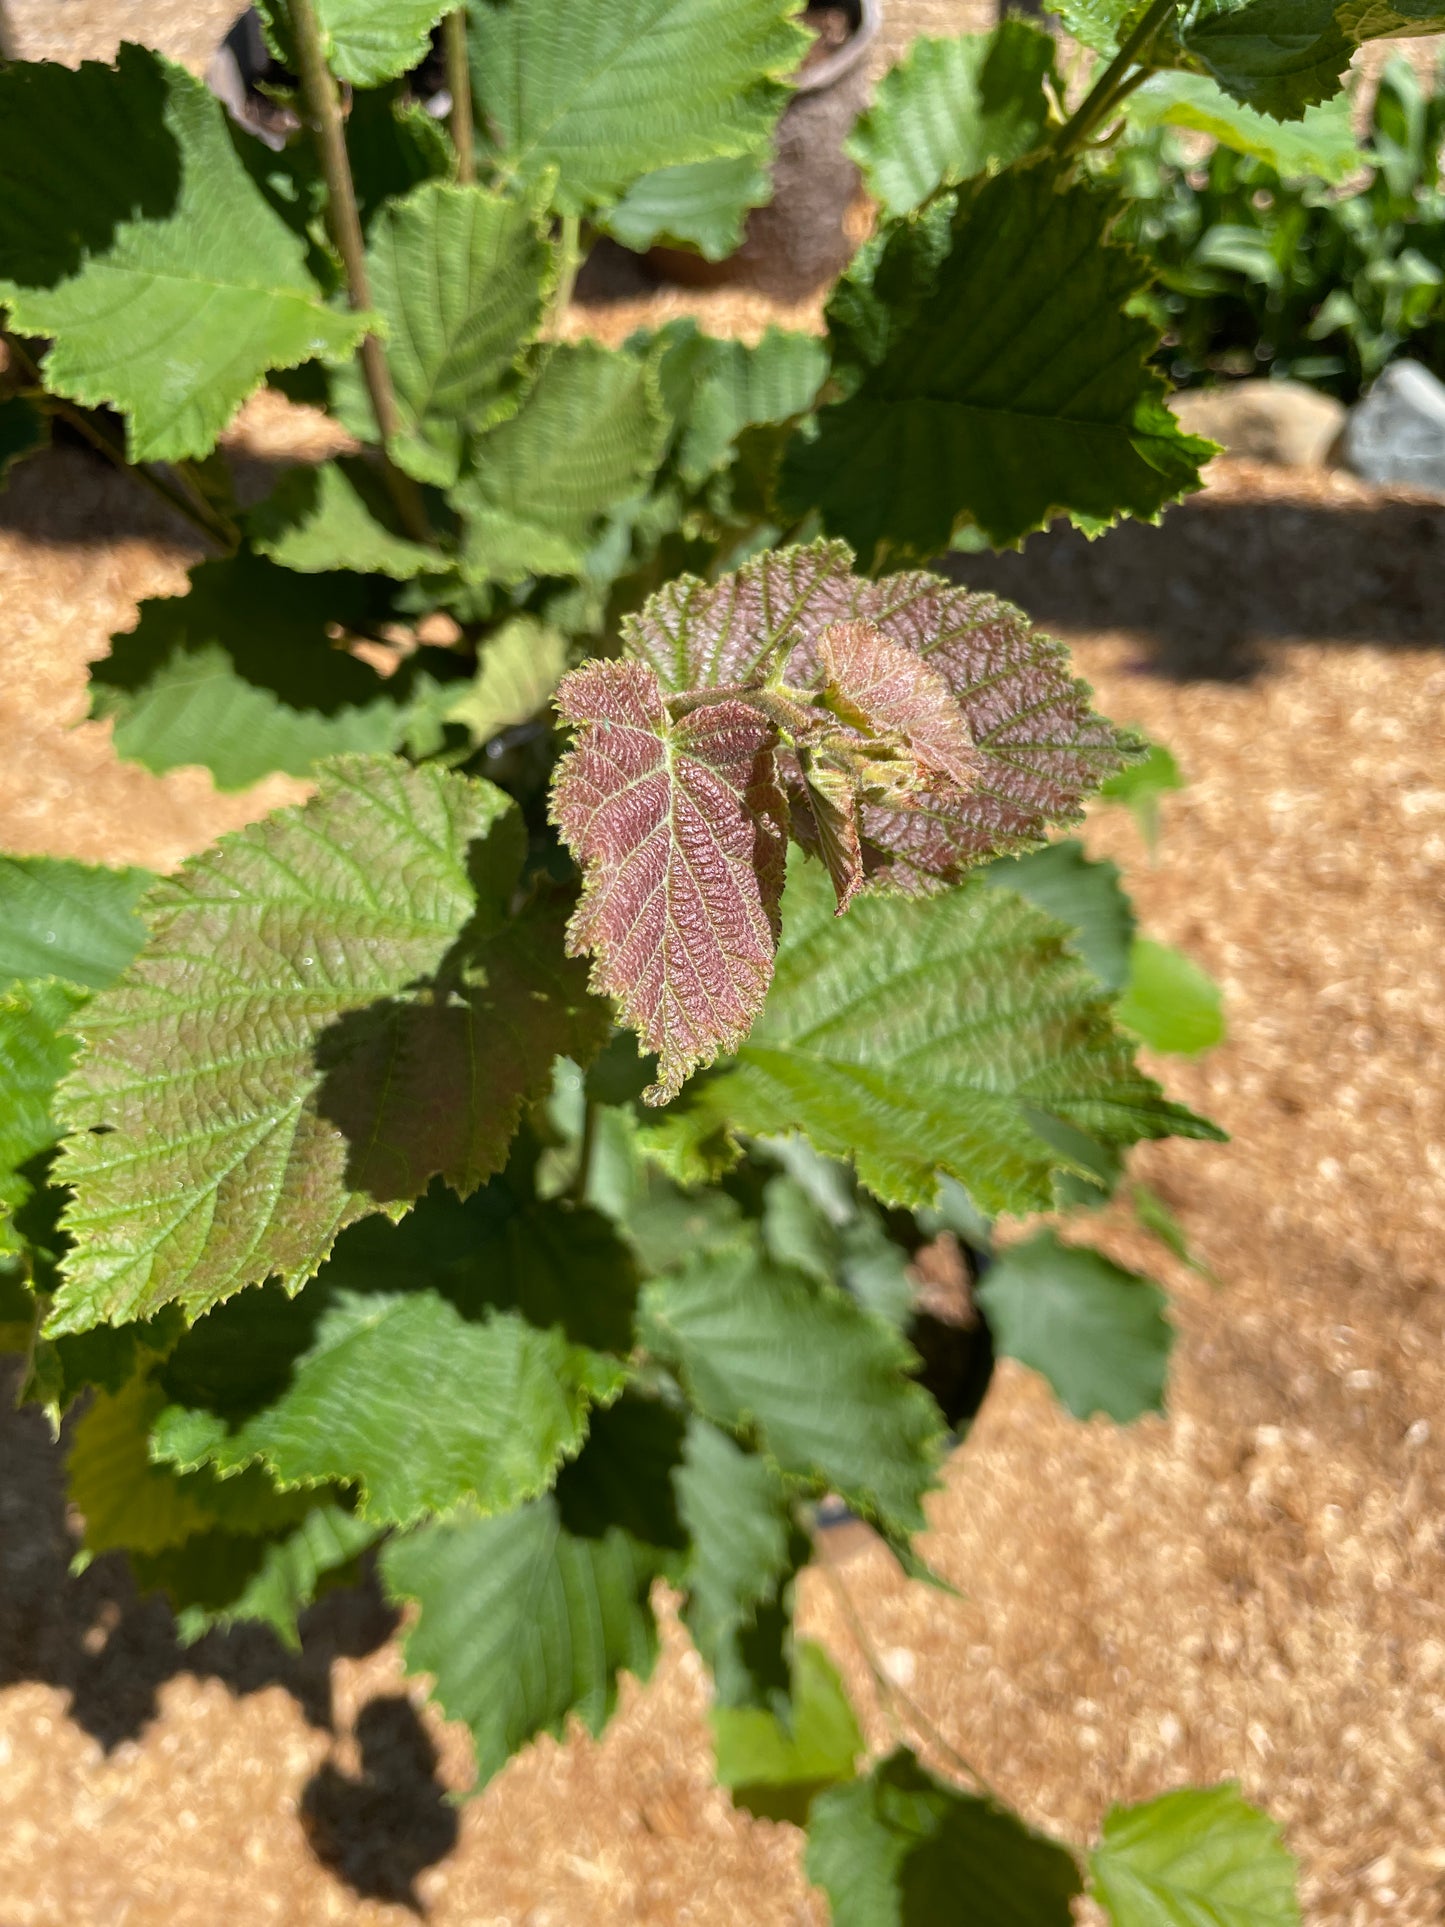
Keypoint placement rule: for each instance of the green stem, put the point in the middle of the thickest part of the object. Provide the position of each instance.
(1111, 86)
(323, 106)
(459, 86)
(569, 262)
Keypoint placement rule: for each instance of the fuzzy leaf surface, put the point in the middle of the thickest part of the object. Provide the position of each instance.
(241, 676)
(460, 277)
(34, 1056)
(1099, 1334)
(701, 205)
(1015, 388)
(526, 1619)
(364, 41)
(332, 1007)
(902, 1849)
(680, 827)
(940, 1036)
(1039, 746)
(448, 1360)
(72, 920)
(734, 386)
(952, 108)
(737, 1327)
(606, 95)
(776, 1765)
(1201, 1855)
(521, 664)
(140, 244)
(336, 517)
(587, 436)
(1082, 892)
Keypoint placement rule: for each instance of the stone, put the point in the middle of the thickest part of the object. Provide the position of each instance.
(1285, 422)
(1396, 432)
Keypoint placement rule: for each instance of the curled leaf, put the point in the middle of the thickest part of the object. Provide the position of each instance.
(680, 826)
(887, 690)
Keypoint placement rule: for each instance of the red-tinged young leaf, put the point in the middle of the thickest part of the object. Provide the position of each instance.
(680, 827)
(832, 823)
(884, 689)
(1038, 748)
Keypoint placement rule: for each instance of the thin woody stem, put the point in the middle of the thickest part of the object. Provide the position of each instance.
(459, 86)
(1112, 84)
(323, 106)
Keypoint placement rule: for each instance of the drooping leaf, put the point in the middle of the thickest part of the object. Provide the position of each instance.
(336, 517)
(34, 1056)
(1139, 786)
(332, 1007)
(460, 276)
(777, 1765)
(24, 431)
(1097, 1333)
(127, 1501)
(218, 1579)
(1321, 145)
(745, 1551)
(736, 1326)
(364, 41)
(1085, 894)
(521, 664)
(680, 828)
(606, 95)
(242, 676)
(526, 1619)
(1169, 1001)
(449, 1360)
(901, 1849)
(133, 236)
(72, 920)
(952, 108)
(1016, 387)
(1040, 746)
(920, 1038)
(587, 436)
(1200, 1855)
(702, 205)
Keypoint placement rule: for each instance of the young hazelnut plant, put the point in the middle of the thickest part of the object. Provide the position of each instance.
(519, 1162)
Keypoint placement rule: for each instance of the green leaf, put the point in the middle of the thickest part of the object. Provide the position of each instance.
(999, 1026)
(1097, 1333)
(702, 205)
(34, 1056)
(1170, 1002)
(218, 1579)
(736, 1325)
(521, 664)
(24, 430)
(526, 1619)
(364, 41)
(588, 435)
(332, 1007)
(745, 1552)
(1156, 1217)
(336, 516)
(952, 108)
(71, 920)
(132, 234)
(1095, 24)
(735, 386)
(777, 1766)
(901, 1849)
(1139, 786)
(125, 1500)
(1320, 146)
(449, 1360)
(242, 676)
(1085, 894)
(1203, 1855)
(460, 276)
(1279, 56)
(604, 95)
(1014, 386)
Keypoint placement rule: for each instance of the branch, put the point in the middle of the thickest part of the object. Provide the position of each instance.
(459, 86)
(1112, 84)
(323, 106)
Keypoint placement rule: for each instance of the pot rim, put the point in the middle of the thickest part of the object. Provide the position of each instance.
(847, 57)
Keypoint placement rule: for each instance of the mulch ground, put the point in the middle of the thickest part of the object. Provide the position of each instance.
(1252, 1587)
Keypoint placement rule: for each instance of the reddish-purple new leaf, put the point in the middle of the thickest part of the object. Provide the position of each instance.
(680, 826)
(888, 691)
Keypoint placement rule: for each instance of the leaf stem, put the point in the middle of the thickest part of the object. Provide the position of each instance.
(569, 262)
(459, 86)
(1111, 85)
(323, 106)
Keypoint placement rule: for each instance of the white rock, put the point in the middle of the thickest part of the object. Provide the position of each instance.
(1396, 433)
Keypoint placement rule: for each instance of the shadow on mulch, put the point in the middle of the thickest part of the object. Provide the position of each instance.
(110, 1651)
(1219, 577)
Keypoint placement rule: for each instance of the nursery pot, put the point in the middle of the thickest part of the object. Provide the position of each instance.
(798, 241)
